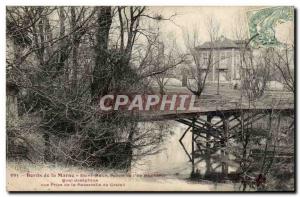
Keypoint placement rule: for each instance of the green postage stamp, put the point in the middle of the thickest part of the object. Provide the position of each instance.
(263, 23)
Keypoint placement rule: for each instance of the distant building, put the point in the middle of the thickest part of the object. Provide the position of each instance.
(226, 59)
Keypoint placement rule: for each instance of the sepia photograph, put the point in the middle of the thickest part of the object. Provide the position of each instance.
(150, 98)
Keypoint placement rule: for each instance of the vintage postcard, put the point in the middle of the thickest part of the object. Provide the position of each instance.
(137, 98)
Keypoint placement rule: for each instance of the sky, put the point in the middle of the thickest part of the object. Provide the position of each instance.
(190, 18)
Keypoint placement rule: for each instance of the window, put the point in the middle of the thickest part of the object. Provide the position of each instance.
(223, 56)
(228, 57)
(205, 58)
(223, 61)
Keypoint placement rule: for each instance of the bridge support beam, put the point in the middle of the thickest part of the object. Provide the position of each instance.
(193, 146)
(210, 140)
(224, 144)
(208, 143)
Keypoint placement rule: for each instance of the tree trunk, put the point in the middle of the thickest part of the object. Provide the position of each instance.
(47, 153)
(100, 84)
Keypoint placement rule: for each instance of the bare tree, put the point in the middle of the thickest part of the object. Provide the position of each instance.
(63, 59)
(201, 66)
(165, 62)
(282, 59)
(260, 153)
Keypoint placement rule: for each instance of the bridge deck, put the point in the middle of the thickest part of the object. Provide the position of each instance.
(228, 101)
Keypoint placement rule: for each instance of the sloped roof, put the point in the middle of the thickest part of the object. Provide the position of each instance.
(221, 43)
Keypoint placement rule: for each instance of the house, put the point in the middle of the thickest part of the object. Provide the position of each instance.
(223, 57)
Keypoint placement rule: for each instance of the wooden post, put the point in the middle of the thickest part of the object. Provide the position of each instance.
(193, 147)
(207, 159)
(224, 151)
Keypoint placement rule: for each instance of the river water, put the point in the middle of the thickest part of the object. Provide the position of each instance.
(173, 162)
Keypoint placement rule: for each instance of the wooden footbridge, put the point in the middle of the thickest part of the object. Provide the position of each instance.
(223, 119)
